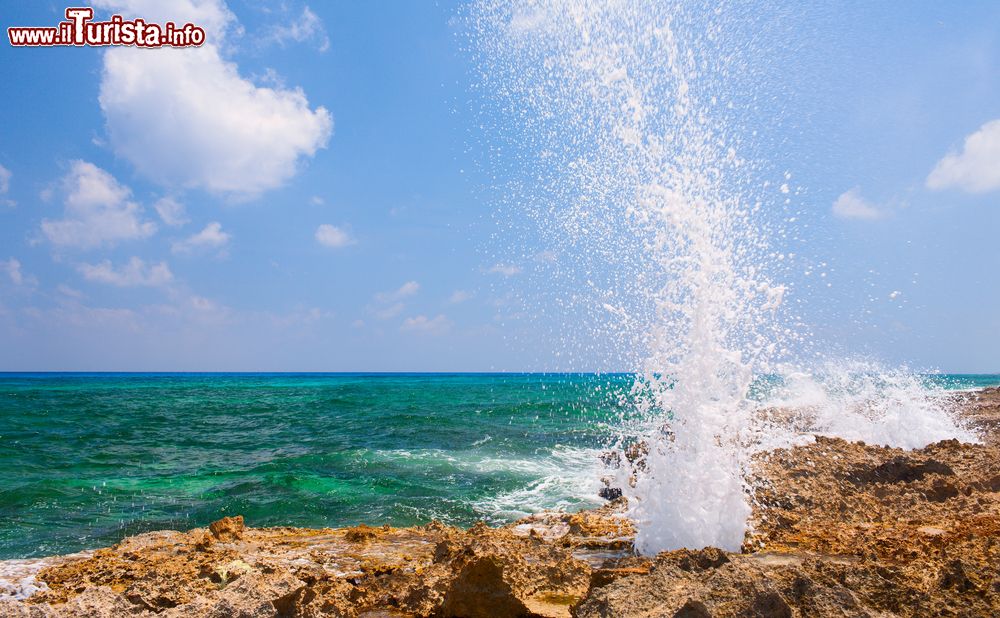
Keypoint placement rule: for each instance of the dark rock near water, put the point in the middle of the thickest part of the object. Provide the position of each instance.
(610, 493)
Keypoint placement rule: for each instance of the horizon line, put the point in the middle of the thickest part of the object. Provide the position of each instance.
(398, 372)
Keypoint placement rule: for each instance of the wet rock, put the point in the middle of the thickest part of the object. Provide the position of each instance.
(636, 453)
(610, 493)
(695, 560)
(611, 459)
(604, 576)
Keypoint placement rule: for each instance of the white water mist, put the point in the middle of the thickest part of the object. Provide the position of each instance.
(629, 119)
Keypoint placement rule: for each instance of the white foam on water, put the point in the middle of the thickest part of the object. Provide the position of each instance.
(627, 127)
(559, 478)
(567, 478)
(863, 400)
(18, 577)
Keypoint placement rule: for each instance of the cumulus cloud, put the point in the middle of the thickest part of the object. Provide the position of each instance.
(134, 273)
(306, 27)
(390, 304)
(299, 317)
(98, 211)
(976, 168)
(333, 236)
(404, 291)
(507, 270)
(211, 237)
(187, 118)
(459, 296)
(850, 205)
(68, 291)
(422, 324)
(13, 269)
(5, 176)
(171, 211)
(385, 313)
(207, 306)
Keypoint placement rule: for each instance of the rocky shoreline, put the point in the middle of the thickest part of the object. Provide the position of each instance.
(839, 529)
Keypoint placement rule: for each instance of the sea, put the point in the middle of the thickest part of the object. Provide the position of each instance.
(89, 458)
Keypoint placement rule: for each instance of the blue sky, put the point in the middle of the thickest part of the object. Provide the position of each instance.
(313, 191)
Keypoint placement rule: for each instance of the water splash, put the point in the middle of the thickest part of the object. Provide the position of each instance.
(864, 400)
(629, 124)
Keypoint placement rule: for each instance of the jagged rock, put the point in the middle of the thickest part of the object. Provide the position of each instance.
(10, 608)
(693, 608)
(480, 591)
(610, 493)
(899, 469)
(227, 528)
(360, 534)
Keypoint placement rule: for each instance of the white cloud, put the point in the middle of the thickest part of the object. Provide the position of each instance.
(306, 27)
(98, 211)
(202, 304)
(422, 324)
(333, 236)
(4, 180)
(507, 270)
(976, 169)
(404, 291)
(187, 118)
(66, 290)
(211, 237)
(390, 312)
(13, 269)
(850, 205)
(299, 317)
(171, 211)
(135, 273)
(459, 296)
(389, 304)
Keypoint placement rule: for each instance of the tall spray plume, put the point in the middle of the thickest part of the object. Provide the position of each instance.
(628, 127)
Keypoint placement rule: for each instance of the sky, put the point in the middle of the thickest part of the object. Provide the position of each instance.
(312, 190)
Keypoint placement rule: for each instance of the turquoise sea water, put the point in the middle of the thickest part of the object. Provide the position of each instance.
(86, 459)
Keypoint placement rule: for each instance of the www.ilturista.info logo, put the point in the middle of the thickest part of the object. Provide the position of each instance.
(79, 30)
